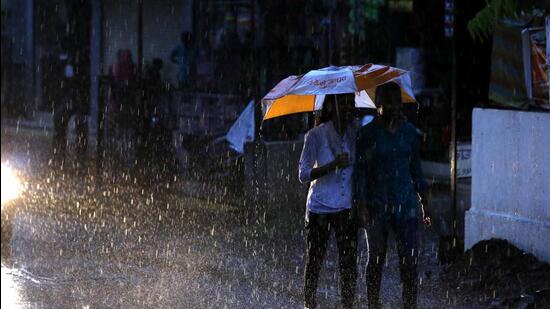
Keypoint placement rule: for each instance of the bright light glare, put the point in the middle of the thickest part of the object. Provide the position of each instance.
(11, 185)
(10, 289)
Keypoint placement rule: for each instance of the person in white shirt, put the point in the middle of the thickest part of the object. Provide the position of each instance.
(327, 164)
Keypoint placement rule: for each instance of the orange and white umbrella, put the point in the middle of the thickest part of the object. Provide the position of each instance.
(306, 93)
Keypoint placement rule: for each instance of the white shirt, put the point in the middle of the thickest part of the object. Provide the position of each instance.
(332, 192)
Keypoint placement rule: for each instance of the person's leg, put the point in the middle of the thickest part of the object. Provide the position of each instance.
(377, 236)
(60, 122)
(407, 248)
(318, 232)
(81, 126)
(346, 238)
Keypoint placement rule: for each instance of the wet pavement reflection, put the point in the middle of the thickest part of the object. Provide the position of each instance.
(10, 290)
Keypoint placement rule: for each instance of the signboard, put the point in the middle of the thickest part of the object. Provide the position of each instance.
(449, 18)
(535, 64)
(464, 159)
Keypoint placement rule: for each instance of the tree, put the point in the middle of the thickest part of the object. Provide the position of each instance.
(360, 12)
(483, 24)
(4, 17)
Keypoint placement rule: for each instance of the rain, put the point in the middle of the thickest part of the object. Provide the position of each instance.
(188, 154)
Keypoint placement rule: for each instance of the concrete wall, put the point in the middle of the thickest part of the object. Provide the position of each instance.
(511, 179)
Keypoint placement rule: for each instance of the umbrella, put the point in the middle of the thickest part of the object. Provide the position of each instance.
(306, 93)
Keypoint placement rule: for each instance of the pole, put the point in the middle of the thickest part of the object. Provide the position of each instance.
(98, 103)
(29, 53)
(355, 41)
(337, 110)
(139, 131)
(140, 38)
(100, 131)
(257, 89)
(454, 136)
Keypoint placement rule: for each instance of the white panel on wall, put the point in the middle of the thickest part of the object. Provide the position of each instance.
(510, 179)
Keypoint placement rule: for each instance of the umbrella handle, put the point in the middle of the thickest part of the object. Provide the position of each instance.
(337, 110)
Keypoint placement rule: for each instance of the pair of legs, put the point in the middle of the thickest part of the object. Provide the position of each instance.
(407, 248)
(319, 228)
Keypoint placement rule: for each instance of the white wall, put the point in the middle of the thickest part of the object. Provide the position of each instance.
(511, 179)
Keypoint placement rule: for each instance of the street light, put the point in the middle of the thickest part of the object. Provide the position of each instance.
(12, 188)
(11, 185)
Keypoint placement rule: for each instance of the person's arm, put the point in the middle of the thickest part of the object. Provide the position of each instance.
(307, 171)
(307, 159)
(341, 161)
(418, 180)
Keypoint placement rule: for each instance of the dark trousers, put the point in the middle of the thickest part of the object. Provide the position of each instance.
(319, 228)
(407, 249)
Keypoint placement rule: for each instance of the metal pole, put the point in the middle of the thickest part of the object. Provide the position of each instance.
(95, 85)
(454, 136)
(100, 131)
(95, 58)
(29, 54)
(140, 38)
(337, 110)
(139, 89)
(257, 89)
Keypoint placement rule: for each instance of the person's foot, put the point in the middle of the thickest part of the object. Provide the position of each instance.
(374, 305)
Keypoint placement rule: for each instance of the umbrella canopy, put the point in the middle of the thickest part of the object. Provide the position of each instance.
(306, 93)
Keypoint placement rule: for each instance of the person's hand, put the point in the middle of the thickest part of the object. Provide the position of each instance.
(362, 213)
(427, 220)
(342, 160)
(426, 215)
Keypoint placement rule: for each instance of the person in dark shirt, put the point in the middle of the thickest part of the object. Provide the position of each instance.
(390, 191)
(183, 56)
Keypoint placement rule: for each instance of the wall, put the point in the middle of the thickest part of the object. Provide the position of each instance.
(511, 179)
(18, 50)
(16, 29)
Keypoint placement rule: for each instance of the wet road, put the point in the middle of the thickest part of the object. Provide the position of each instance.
(130, 245)
(125, 244)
